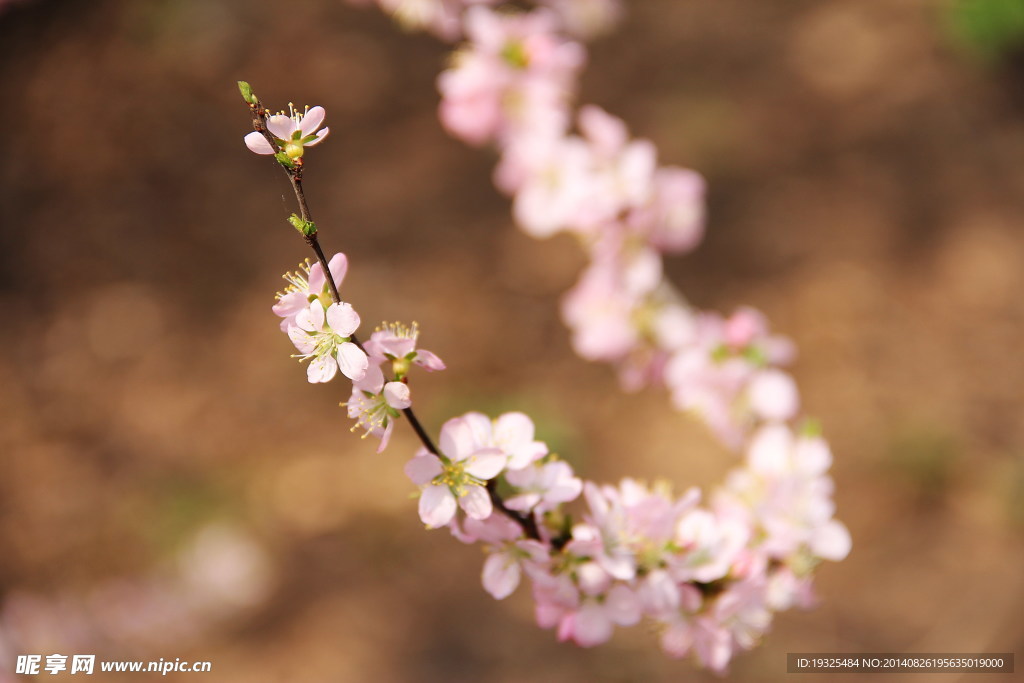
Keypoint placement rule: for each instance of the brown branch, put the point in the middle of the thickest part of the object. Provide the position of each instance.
(294, 173)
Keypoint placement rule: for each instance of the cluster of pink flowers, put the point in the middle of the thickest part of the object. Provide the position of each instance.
(707, 571)
(707, 578)
(626, 210)
(323, 330)
(443, 18)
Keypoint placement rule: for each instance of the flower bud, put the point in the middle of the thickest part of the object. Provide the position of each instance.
(307, 228)
(246, 91)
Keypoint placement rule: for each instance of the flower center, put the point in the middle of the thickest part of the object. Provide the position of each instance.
(456, 478)
(514, 53)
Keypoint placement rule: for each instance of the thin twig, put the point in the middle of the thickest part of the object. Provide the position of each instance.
(294, 173)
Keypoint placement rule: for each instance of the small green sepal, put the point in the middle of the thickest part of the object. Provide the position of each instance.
(284, 160)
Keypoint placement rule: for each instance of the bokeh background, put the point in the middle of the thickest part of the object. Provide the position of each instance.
(172, 487)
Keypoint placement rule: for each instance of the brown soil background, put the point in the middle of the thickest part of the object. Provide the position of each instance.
(866, 185)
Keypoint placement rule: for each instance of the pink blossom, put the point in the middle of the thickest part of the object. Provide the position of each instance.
(554, 184)
(594, 621)
(580, 184)
(773, 395)
(396, 343)
(628, 526)
(457, 477)
(306, 284)
(674, 220)
(785, 491)
(294, 132)
(323, 338)
(515, 75)
(709, 545)
(712, 376)
(510, 434)
(604, 309)
(543, 487)
(662, 597)
(376, 404)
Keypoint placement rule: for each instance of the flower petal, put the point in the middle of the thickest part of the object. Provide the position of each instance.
(486, 464)
(501, 575)
(773, 395)
(372, 381)
(460, 436)
(352, 361)
(428, 361)
(591, 626)
(290, 304)
(281, 126)
(318, 139)
(512, 430)
(397, 395)
(321, 369)
(339, 267)
(257, 143)
(311, 319)
(303, 342)
(423, 468)
(312, 120)
(831, 542)
(317, 281)
(476, 502)
(343, 319)
(769, 452)
(622, 605)
(386, 436)
(437, 506)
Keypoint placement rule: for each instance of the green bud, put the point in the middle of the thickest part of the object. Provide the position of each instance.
(307, 228)
(246, 91)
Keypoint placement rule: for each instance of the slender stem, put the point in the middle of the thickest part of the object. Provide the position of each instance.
(527, 521)
(418, 428)
(300, 196)
(314, 242)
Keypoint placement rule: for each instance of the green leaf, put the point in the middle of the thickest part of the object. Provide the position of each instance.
(246, 91)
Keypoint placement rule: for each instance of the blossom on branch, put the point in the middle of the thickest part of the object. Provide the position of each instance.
(293, 132)
(396, 343)
(324, 339)
(376, 404)
(307, 284)
(457, 476)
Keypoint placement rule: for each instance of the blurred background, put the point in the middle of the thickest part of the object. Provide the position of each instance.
(172, 487)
